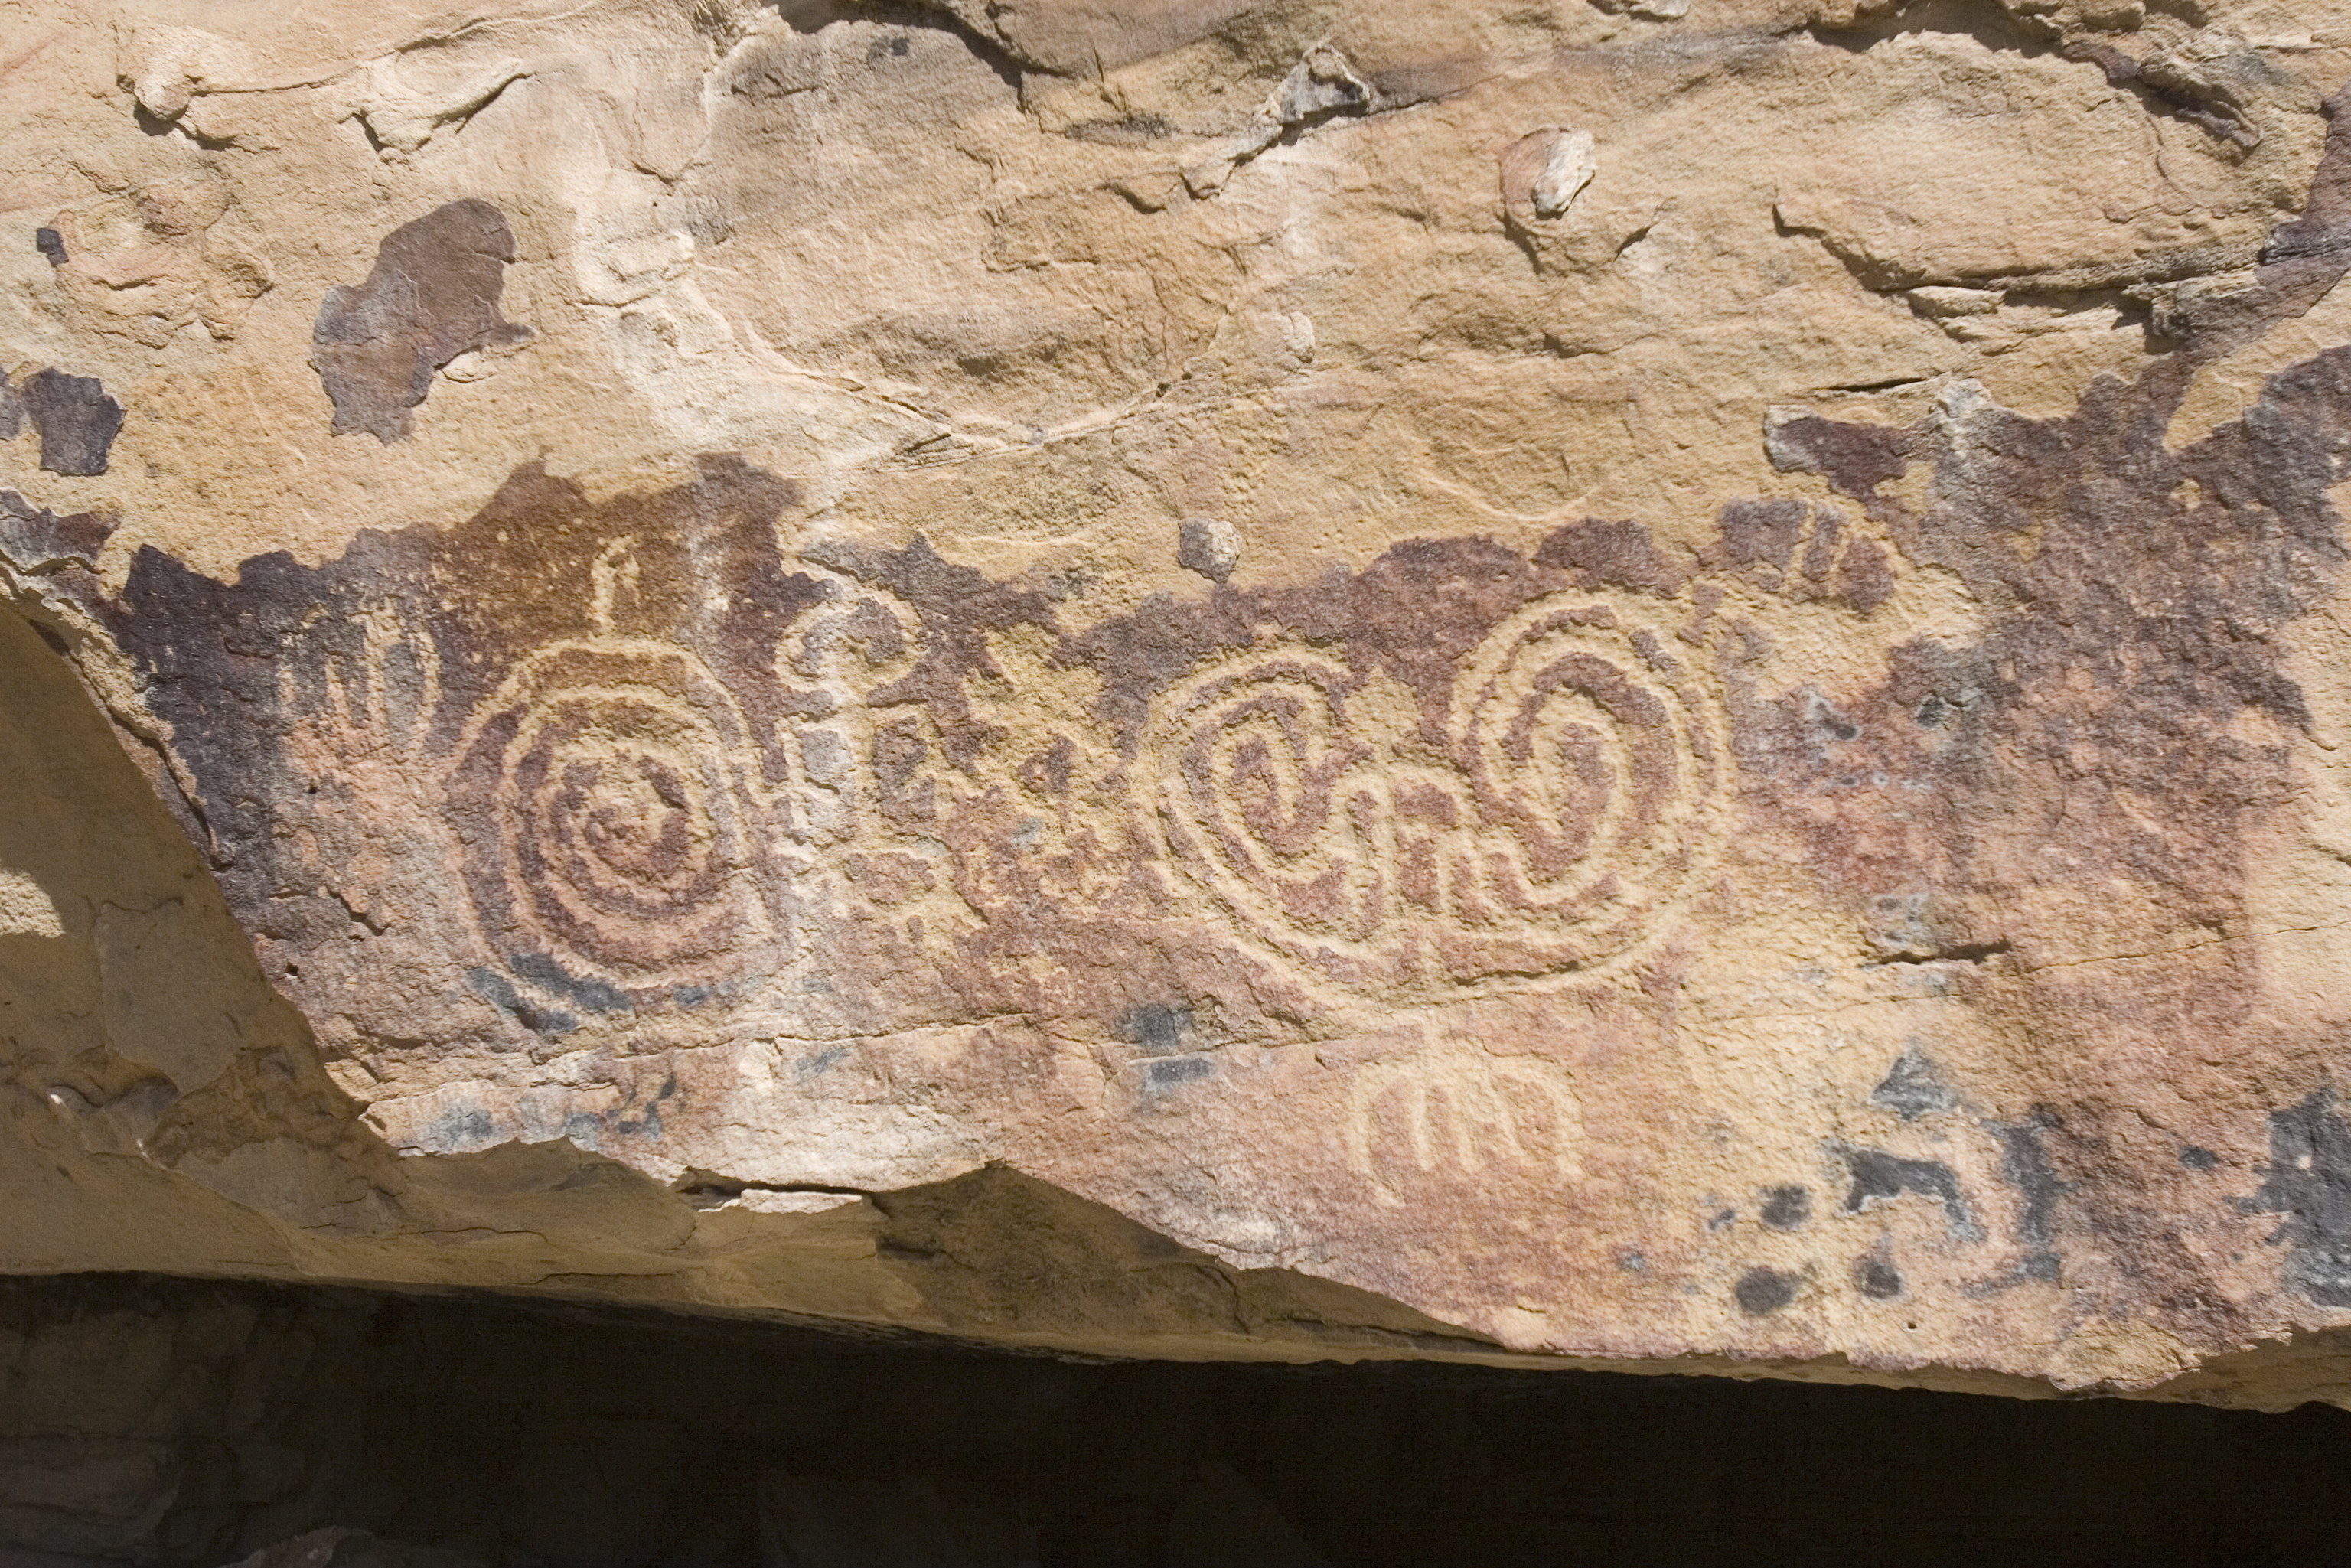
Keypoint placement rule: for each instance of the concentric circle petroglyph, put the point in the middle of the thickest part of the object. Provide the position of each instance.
(1566, 800)
(1272, 781)
(612, 826)
(1595, 754)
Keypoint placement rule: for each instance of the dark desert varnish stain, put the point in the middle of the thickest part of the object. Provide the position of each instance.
(75, 418)
(561, 658)
(432, 296)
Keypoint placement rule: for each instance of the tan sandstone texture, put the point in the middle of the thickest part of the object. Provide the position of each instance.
(1657, 685)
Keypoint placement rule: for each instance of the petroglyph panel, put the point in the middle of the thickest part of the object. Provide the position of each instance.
(662, 800)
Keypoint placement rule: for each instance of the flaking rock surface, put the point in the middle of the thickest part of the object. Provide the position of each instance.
(1657, 685)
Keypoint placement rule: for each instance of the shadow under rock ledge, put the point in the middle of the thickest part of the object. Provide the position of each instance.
(174, 1423)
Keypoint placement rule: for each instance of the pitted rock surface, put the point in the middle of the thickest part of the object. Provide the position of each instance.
(1657, 685)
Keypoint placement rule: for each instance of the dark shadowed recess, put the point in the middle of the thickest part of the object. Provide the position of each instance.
(185, 1423)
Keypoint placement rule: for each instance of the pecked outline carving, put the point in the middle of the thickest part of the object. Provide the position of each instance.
(630, 841)
(1458, 1112)
(1576, 801)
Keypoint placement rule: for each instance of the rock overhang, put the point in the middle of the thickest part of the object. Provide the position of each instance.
(1663, 749)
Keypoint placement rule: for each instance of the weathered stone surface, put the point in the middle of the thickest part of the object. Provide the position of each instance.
(1643, 686)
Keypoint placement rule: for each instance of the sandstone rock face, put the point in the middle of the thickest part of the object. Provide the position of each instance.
(1655, 684)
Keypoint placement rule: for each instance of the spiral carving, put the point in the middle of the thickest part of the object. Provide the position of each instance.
(1595, 760)
(1573, 799)
(613, 823)
(1271, 779)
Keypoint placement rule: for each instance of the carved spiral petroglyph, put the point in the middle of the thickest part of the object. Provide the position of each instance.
(1595, 757)
(1569, 800)
(615, 827)
(1271, 779)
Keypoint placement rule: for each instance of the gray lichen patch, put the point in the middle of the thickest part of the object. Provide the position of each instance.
(2309, 1182)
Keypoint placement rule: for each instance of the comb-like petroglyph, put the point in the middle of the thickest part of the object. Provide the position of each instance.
(1447, 1116)
(1654, 683)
